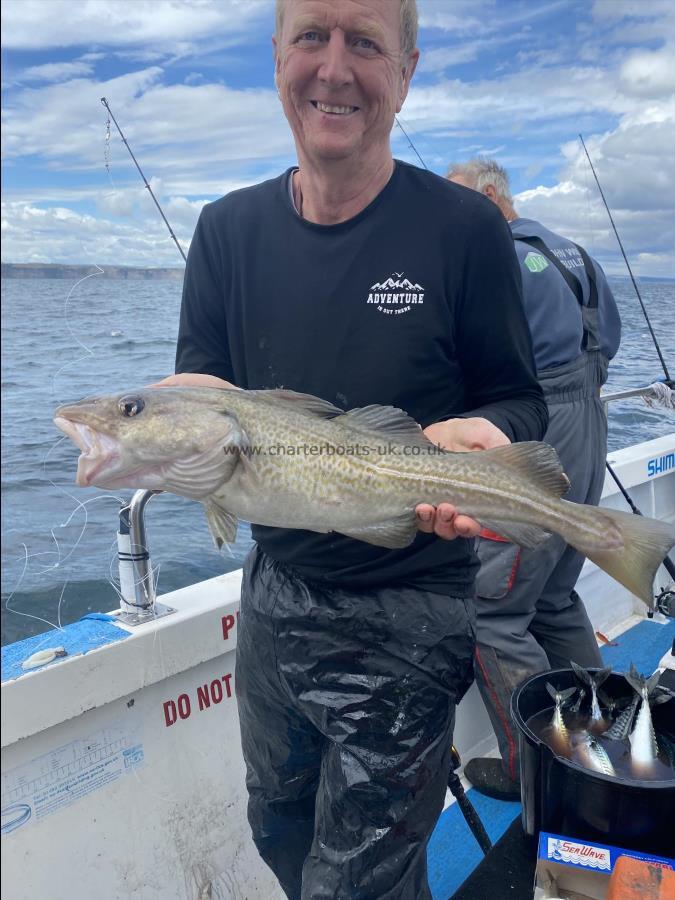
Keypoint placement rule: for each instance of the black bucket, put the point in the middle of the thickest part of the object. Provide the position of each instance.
(560, 797)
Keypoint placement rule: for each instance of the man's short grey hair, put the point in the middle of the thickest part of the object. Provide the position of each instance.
(481, 171)
(408, 24)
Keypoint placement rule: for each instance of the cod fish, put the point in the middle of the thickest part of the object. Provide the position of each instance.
(560, 734)
(291, 460)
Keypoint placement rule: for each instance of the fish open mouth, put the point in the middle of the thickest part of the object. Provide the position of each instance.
(99, 452)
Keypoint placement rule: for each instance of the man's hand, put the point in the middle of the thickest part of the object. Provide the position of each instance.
(458, 435)
(461, 435)
(193, 379)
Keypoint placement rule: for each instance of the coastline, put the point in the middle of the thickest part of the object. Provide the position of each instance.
(63, 272)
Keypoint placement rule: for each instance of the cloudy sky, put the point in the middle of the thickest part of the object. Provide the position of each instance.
(190, 83)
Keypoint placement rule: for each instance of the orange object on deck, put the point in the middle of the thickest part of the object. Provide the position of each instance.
(637, 879)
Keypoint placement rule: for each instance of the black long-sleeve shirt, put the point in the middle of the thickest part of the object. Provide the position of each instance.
(415, 303)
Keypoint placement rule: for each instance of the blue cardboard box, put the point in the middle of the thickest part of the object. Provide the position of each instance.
(570, 867)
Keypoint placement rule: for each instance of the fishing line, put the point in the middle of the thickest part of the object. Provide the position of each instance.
(9, 599)
(88, 351)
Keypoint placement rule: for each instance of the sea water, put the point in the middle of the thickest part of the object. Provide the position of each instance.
(59, 554)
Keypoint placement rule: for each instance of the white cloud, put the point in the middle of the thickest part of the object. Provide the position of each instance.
(55, 71)
(636, 173)
(58, 234)
(198, 137)
(34, 24)
(194, 131)
(460, 16)
(649, 73)
(127, 229)
(634, 21)
(441, 58)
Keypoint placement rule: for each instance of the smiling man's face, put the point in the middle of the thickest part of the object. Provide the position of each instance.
(341, 77)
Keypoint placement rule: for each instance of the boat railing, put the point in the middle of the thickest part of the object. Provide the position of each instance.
(655, 393)
(138, 599)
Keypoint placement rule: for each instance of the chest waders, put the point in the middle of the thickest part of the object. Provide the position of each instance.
(529, 618)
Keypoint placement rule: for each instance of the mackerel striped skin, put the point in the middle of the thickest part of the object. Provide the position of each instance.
(620, 730)
(558, 726)
(594, 756)
(643, 747)
(222, 448)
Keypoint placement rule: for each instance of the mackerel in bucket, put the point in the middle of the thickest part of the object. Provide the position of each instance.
(561, 796)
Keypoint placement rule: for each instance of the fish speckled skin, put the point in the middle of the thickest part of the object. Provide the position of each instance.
(360, 473)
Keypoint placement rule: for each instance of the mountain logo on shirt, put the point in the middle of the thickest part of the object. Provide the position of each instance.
(535, 262)
(395, 295)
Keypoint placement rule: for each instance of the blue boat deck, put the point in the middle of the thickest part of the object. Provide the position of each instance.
(453, 853)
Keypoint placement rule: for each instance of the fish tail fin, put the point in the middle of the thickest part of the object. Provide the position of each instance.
(581, 674)
(646, 543)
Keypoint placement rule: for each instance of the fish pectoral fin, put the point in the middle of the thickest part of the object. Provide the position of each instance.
(387, 420)
(392, 534)
(530, 536)
(537, 462)
(222, 524)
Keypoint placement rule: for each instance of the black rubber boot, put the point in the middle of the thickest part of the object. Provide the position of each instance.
(488, 777)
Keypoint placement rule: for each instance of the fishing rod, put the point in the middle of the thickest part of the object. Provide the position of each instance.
(669, 381)
(145, 180)
(412, 146)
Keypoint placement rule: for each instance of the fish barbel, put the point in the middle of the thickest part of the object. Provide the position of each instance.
(291, 460)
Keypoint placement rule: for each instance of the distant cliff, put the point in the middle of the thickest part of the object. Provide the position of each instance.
(54, 270)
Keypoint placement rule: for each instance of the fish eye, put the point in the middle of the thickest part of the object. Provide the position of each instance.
(131, 406)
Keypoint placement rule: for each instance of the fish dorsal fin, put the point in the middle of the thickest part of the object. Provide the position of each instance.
(387, 420)
(308, 403)
(537, 462)
(374, 418)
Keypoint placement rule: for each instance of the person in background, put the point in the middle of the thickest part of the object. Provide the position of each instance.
(529, 617)
(361, 280)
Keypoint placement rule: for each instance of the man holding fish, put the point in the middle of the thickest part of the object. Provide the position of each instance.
(358, 281)
(352, 657)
